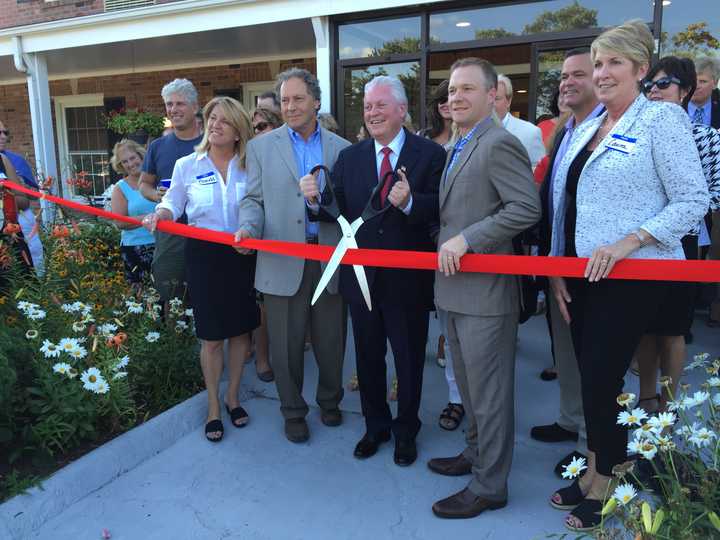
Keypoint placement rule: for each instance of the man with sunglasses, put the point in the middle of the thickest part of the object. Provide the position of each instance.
(577, 92)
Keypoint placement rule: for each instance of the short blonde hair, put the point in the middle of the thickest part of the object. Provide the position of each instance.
(508, 85)
(236, 116)
(632, 40)
(131, 145)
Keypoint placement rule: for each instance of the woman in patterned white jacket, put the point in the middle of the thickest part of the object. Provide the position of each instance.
(673, 80)
(630, 185)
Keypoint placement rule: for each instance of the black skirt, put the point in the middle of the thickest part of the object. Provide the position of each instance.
(221, 285)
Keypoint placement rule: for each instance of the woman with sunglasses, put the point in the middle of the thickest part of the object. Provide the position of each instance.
(630, 186)
(265, 120)
(673, 80)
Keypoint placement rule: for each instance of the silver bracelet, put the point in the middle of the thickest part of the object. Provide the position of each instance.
(643, 241)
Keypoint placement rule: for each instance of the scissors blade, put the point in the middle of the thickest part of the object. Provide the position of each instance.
(335, 259)
(358, 268)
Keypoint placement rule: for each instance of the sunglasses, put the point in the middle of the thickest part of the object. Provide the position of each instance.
(5, 132)
(662, 83)
(260, 126)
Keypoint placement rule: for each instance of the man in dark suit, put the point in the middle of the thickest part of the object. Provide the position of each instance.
(401, 299)
(704, 106)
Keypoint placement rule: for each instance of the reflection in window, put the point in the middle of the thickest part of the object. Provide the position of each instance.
(535, 18)
(549, 68)
(690, 28)
(354, 80)
(379, 38)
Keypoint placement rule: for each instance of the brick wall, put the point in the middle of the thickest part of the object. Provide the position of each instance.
(22, 12)
(138, 89)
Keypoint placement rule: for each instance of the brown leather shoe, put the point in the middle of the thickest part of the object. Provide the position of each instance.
(451, 466)
(331, 417)
(296, 430)
(464, 504)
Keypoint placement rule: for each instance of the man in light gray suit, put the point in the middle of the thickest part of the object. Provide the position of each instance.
(487, 196)
(275, 209)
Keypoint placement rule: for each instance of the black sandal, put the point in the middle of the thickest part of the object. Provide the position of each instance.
(656, 397)
(451, 416)
(588, 512)
(238, 414)
(570, 496)
(214, 426)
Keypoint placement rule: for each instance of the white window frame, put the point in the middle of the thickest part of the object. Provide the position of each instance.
(253, 90)
(62, 103)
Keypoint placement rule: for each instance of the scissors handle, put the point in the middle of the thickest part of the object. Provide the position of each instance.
(376, 205)
(327, 197)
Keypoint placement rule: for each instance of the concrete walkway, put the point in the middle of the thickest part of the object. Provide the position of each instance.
(257, 485)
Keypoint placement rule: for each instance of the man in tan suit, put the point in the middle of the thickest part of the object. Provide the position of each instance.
(275, 209)
(487, 196)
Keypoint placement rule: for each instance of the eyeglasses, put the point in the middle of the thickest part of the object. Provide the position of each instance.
(260, 126)
(5, 132)
(662, 83)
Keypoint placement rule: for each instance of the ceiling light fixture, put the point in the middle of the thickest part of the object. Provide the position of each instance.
(521, 91)
(462, 24)
(667, 2)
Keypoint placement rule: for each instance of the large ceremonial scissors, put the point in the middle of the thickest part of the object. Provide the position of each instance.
(373, 209)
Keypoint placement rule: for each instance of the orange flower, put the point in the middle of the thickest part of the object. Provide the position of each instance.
(11, 228)
(117, 340)
(60, 231)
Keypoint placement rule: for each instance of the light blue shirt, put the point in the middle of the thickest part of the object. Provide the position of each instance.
(460, 144)
(137, 205)
(706, 110)
(563, 148)
(307, 155)
(395, 147)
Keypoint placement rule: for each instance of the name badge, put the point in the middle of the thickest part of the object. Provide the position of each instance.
(622, 144)
(206, 179)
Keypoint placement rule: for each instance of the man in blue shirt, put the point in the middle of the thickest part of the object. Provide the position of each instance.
(274, 209)
(704, 106)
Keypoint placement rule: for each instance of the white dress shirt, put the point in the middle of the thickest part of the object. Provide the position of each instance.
(395, 147)
(198, 188)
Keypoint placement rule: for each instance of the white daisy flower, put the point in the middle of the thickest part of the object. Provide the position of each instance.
(176, 303)
(68, 308)
(665, 442)
(698, 398)
(133, 307)
(101, 387)
(702, 437)
(68, 344)
(78, 326)
(574, 468)
(625, 399)
(90, 378)
(716, 400)
(50, 350)
(646, 432)
(699, 360)
(107, 329)
(189, 313)
(86, 310)
(78, 353)
(634, 417)
(31, 334)
(36, 314)
(180, 326)
(122, 362)
(24, 306)
(624, 493)
(662, 420)
(648, 450)
(677, 405)
(152, 337)
(714, 382)
(119, 375)
(62, 368)
(634, 446)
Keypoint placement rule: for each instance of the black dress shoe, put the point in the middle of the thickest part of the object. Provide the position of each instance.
(331, 417)
(560, 467)
(369, 444)
(405, 452)
(296, 430)
(464, 504)
(451, 466)
(552, 433)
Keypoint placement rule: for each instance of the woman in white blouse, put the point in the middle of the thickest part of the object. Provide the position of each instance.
(630, 185)
(209, 185)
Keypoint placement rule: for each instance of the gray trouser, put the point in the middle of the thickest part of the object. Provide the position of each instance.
(572, 416)
(287, 318)
(483, 353)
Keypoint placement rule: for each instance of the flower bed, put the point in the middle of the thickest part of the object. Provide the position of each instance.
(83, 357)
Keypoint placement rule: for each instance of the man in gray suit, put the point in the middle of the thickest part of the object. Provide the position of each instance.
(487, 196)
(275, 209)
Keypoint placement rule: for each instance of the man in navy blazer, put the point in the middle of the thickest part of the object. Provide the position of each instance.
(401, 299)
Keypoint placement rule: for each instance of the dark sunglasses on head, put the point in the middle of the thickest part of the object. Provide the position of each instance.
(260, 126)
(5, 132)
(662, 83)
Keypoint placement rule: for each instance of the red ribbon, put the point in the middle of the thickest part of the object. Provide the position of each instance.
(639, 269)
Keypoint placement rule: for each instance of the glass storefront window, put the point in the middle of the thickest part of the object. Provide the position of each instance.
(379, 38)
(538, 18)
(690, 28)
(354, 80)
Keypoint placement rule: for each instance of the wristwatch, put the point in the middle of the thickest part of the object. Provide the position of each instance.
(642, 236)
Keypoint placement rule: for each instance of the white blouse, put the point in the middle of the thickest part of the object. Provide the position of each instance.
(197, 188)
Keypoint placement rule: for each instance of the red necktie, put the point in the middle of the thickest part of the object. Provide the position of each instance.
(385, 167)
